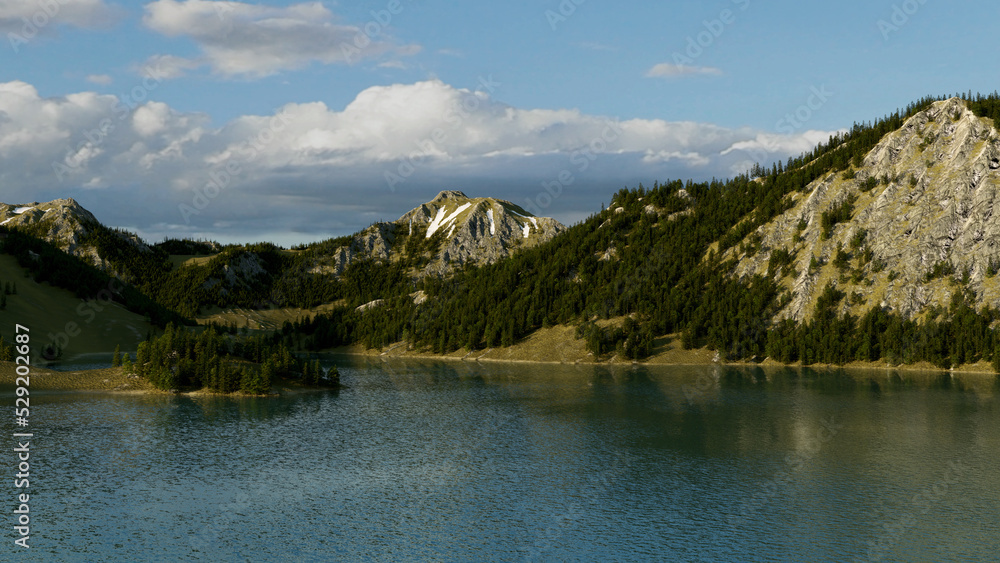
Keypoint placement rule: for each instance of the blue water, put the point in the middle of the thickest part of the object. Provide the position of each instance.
(429, 461)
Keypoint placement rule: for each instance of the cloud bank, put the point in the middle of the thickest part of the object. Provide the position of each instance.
(309, 170)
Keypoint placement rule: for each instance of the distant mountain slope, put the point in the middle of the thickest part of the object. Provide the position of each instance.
(917, 219)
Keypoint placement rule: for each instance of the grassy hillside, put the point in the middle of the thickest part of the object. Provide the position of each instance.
(57, 316)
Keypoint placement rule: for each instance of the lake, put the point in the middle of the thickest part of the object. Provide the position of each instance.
(449, 461)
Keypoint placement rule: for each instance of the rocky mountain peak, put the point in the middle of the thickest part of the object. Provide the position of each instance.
(62, 221)
(457, 230)
(916, 222)
(449, 194)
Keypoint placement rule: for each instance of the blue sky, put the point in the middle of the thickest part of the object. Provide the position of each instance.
(610, 93)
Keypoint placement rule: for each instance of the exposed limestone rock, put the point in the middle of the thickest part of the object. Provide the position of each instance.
(934, 205)
(369, 305)
(63, 222)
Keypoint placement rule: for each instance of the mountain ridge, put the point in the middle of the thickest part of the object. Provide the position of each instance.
(434, 239)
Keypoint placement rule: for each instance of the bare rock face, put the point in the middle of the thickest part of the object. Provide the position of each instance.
(450, 230)
(922, 224)
(61, 222)
(65, 224)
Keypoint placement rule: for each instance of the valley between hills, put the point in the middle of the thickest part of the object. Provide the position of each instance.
(876, 249)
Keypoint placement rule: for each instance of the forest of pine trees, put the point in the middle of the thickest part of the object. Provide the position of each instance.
(183, 359)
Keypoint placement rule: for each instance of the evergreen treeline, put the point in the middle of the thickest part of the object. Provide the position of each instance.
(181, 358)
(957, 335)
(188, 247)
(273, 276)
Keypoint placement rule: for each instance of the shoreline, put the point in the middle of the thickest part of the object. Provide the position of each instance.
(113, 380)
(699, 357)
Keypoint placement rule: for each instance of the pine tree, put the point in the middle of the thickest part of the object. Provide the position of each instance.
(116, 359)
(142, 357)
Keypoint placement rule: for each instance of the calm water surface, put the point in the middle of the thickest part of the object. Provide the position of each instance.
(466, 462)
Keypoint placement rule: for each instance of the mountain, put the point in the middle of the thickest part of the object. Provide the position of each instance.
(916, 220)
(878, 245)
(449, 231)
(67, 225)
(62, 222)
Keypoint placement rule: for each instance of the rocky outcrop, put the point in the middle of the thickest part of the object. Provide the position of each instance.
(62, 222)
(65, 224)
(449, 231)
(919, 222)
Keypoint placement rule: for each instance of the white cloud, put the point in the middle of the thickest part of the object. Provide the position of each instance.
(252, 40)
(28, 18)
(166, 67)
(692, 158)
(102, 79)
(670, 70)
(774, 143)
(311, 166)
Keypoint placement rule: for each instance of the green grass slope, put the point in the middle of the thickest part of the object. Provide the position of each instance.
(56, 316)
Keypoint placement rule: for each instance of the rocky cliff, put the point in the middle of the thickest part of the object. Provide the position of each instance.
(918, 220)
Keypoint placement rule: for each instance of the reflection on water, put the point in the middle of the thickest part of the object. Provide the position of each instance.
(419, 460)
